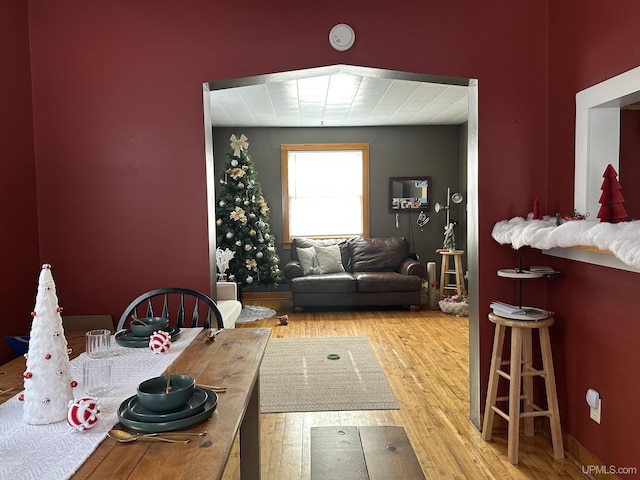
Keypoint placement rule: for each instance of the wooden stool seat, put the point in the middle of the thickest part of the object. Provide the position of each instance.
(455, 271)
(520, 377)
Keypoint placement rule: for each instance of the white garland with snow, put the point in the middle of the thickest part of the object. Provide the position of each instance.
(621, 239)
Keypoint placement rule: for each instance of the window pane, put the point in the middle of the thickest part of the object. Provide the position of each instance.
(325, 189)
(328, 217)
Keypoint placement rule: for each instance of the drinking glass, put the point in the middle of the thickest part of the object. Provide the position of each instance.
(97, 376)
(98, 343)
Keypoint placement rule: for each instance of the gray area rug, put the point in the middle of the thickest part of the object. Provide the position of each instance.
(297, 376)
(252, 313)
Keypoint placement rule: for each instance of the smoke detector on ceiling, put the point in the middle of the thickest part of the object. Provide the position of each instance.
(342, 37)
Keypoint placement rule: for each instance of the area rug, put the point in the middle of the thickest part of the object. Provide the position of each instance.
(252, 313)
(322, 374)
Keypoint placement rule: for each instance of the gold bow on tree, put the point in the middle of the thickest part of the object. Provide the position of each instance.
(238, 144)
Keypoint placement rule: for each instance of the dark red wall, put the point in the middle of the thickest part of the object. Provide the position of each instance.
(19, 267)
(119, 144)
(596, 336)
(118, 119)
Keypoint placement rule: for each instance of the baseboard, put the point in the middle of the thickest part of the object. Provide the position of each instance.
(590, 466)
(267, 295)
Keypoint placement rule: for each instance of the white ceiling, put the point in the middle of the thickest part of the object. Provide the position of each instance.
(338, 99)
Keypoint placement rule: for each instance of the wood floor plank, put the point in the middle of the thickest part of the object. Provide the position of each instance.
(424, 356)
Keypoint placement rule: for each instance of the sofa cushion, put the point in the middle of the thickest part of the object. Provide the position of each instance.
(387, 282)
(328, 283)
(377, 254)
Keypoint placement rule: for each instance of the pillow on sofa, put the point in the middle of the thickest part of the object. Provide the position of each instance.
(308, 260)
(329, 258)
(320, 259)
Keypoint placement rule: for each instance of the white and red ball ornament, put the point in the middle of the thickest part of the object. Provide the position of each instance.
(160, 342)
(83, 414)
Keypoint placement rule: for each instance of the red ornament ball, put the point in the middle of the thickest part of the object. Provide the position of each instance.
(83, 414)
(160, 342)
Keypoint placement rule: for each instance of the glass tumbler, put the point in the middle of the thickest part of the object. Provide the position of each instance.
(98, 343)
(97, 376)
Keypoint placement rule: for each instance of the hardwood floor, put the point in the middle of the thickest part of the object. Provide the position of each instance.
(425, 358)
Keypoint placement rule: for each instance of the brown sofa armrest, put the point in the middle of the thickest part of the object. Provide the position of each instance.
(411, 267)
(293, 269)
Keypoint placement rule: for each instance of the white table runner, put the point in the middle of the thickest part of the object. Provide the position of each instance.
(56, 451)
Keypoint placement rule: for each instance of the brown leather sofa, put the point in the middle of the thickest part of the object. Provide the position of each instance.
(377, 272)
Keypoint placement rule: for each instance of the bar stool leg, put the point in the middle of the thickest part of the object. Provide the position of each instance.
(492, 389)
(514, 395)
(527, 380)
(459, 275)
(552, 394)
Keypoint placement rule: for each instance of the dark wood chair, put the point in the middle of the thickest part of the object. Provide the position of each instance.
(162, 301)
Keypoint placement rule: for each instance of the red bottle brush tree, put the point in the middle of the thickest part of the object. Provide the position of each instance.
(537, 214)
(611, 199)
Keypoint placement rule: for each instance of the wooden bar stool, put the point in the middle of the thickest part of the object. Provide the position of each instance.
(522, 372)
(455, 271)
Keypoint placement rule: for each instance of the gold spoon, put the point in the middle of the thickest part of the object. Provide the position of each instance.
(168, 374)
(126, 437)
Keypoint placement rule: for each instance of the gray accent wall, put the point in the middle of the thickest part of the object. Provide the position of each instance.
(435, 151)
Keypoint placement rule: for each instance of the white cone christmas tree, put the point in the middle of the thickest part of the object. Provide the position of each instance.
(47, 379)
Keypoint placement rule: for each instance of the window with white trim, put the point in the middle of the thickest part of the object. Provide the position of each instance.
(325, 190)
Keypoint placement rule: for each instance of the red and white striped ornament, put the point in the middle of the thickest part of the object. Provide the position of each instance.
(83, 413)
(160, 342)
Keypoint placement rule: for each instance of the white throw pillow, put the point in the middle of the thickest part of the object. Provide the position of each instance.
(308, 260)
(329, 259)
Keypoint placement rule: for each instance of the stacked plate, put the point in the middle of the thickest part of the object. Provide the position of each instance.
(200, 406)
(126, 338)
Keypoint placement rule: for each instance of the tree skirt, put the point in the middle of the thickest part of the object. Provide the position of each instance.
(252, 313)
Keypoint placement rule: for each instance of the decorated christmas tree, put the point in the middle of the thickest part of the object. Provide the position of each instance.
(243, 221)
(47, 379)
(611, 199)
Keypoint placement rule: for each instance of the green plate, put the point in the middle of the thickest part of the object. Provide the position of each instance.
(194, 406)
(127, 339)
(124, 416)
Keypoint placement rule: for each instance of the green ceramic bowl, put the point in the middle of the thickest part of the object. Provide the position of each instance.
(151, 393)
(153, 324)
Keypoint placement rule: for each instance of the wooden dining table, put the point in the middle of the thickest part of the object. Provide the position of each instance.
(233, 360)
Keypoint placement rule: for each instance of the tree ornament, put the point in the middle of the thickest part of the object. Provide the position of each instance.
(234, 163)
(219, 222)
(238, 199)
(240, 185)
(83, 414)
(160, 342)
(248, 247)
(252, 233)
(229, 235)
(259, 255)
(222, 203)
(249, 280)
(252, 215)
